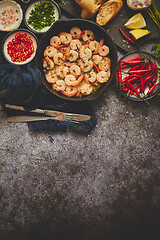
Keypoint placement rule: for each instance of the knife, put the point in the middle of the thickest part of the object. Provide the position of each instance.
(59, 117)
(18, 119)
(52, 113)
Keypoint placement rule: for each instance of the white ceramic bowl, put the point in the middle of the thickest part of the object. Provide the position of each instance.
(11, 24)
(32, 7)
(10, 37)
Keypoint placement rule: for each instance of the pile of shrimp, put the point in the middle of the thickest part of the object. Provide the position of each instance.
(75, 63)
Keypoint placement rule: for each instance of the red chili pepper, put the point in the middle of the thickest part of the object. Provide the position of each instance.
(119, 72)
(133, 88)
(154, 78)
(138, 66)
(134, 59)
(96, 67)
(81, 35)
(130, 78)
(129, 92)
(142, 81)
(152, 88)
(133, 62)
(155, 64)
(125, 66)
(127, 37)
(142, 70)
(137, 86)
(142, 66)
(147, 65)
(124, 89)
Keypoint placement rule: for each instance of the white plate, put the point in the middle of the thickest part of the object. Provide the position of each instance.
(7, 3)
(10, 37)
(32, 6)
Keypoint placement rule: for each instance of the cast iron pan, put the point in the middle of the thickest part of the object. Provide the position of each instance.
(66, 25)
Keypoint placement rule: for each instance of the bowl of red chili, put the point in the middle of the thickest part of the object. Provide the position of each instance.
(138, 76)
(20, 46)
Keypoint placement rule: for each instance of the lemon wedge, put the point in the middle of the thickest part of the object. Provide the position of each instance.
(138, 33)
(137, 21)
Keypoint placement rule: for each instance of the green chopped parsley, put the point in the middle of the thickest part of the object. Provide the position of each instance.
(43, 15)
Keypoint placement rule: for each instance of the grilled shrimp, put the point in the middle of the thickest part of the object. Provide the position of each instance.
(70, 80)
(62, 71)
(73, 55)
(58, 58)
(48, 63)
(85, 53)
(97, 59)
(93, 45)
(70, 91)
(75, 44)
(103, 51)
(51, 77)
(90, 77)
(75, 32)
(55, 41)
(88, 35)
(59, 85)
(65, 37)
(103, 76)
(105, 64)
(85, 88)
(50, 51)
(85, 66)
(75, 70)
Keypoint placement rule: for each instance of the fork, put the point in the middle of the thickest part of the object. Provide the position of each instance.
(67, 117)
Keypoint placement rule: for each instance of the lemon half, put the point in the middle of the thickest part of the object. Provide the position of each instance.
(138, 33)
(135, 22)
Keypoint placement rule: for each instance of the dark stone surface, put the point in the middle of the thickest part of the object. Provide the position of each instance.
(101, 186)
(71, 186)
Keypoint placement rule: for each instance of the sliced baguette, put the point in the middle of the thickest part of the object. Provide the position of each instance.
(108, 11)
(91, 6)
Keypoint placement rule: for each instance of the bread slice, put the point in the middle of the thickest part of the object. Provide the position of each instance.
(108, 11)
(91, 6)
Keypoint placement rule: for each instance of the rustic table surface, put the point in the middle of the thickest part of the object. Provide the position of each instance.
(103, 185)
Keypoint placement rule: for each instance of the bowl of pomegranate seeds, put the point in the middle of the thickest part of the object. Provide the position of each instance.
(20, 47)
(138, 76)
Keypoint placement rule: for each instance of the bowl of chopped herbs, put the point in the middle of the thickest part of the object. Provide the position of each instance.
(40, 15)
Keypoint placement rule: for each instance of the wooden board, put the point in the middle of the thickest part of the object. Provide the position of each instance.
(112, 28)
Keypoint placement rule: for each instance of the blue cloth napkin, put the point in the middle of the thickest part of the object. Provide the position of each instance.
(24, 87)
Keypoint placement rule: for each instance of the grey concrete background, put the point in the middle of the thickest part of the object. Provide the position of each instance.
(62, 185)
(104, 185)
